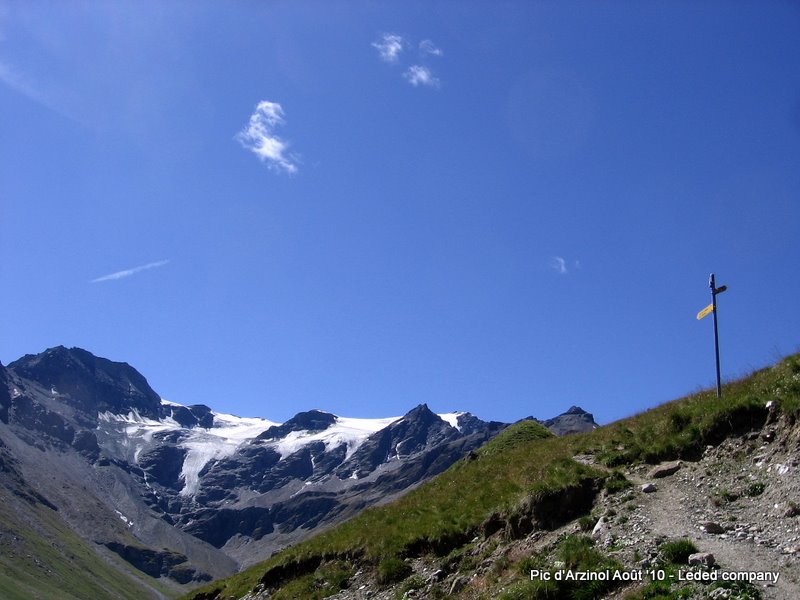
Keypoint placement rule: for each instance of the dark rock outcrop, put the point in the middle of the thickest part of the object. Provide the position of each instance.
(312, 420)
(164, 464)
(196, 415)
(217, 526)
(90, 383)
(156, 563)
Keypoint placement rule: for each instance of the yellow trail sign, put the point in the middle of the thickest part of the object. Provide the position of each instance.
(706, 311)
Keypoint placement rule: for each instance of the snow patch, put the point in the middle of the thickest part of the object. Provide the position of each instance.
(451, 419)
(168, 403)
(125, 519)
(346, 431)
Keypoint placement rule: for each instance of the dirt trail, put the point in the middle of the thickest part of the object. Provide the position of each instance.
(757, 534)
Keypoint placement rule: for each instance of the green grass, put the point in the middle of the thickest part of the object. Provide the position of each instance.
(616, 482)
(524, 469)
(392, 570)
(46, 560)
(678, 551)
(327, 580)
(578, 554)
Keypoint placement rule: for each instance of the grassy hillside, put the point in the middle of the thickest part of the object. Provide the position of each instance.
(524, 478)
(43, 558)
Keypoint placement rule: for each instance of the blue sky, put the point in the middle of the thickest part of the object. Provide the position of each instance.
(506, 208)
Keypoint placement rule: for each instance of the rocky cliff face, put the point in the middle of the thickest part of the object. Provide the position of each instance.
(189, 494)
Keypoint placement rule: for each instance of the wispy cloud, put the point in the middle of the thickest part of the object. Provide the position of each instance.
(259, 137)
(129, 272)
(18, 82)
(418, 75)
(562, 265)
(428, 47)
(389, 47)
(559, 265)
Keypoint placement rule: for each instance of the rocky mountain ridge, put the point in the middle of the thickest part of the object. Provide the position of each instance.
(186, 494)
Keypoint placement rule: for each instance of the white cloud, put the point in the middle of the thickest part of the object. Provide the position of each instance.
(129, 272)
(389, 47)
(259, 137)
(428, 47)
(559, 265)
(419, 75)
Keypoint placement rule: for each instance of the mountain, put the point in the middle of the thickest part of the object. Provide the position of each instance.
(696, 498)
(575, 420)
(167, 495)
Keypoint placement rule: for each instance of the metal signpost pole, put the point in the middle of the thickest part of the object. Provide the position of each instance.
(712, 308)
(711, 283)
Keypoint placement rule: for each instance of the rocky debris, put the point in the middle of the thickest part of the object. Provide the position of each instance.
(790, 509)
(648, 488)
(705, 559)
(712, 527)
(601, 529)
(437, 575)
(665, 469)
(735, 503)
(458, 584)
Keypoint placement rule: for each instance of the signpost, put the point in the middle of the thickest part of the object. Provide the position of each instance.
(712, 308)
(706, 311)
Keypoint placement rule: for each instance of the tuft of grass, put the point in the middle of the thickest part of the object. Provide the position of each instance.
(616, 482)
(755, 489)
(578, 553)
(587, 522)
(678, 551)
(392, 570)
(415, 582)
